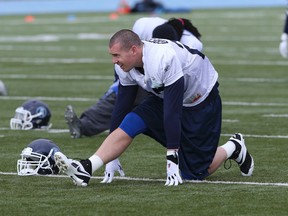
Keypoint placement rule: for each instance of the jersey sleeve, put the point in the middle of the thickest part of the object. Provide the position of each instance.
(172, 113)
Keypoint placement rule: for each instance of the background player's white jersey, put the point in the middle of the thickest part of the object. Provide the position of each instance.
(164, 63)
(144, 27)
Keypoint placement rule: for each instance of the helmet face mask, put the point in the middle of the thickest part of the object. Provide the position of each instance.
(22, 119)
(31, 162)
(38, 158)
(32, 114)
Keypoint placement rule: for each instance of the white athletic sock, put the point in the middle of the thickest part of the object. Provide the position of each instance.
(96, 162)
(229, 147)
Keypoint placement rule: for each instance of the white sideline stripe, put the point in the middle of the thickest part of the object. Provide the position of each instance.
(58, 131)
(230, 120)
(276, 115)
(224, 135)
(53, 37)
(163, 180)
(97, 36)
(56, 77)
(245, 62)
(228, 103)
(261, 80)
(47, 98)
(49, 48)
(238, 103)
(260, 136)
(55, 60)
(101, 77)
(92, 60)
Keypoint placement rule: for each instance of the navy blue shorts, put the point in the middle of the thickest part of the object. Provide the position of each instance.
(201, 128)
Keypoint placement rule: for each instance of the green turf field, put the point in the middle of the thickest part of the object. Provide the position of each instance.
(66, 62)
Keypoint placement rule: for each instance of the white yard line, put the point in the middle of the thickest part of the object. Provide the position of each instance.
(279, 184)
(53, 37)
(102, 77)
(55, 60)
(224, 135)
(95, 60)
(276, 115)
(48, 98)
(56, 77)
(227, 103)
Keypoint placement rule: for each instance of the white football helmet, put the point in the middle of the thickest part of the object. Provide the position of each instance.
(38, 158)
(32, 114)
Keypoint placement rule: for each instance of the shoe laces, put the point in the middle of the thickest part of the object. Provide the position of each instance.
(229, 164)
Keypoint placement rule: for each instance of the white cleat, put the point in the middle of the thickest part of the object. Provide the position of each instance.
(241, 155)
(74, 169)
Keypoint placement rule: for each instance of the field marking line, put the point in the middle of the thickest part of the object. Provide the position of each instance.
(224, 135)
(276, 115)
(110, 77)
(49, 98)
(227, 103)
(39, 61)
(284, 184)
(57, 77)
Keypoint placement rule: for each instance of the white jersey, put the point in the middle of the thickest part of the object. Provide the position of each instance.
(164, 63)
(144, 27)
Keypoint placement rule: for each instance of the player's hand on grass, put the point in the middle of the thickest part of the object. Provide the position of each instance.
(173, 175)
(283, 47)
(111, 168)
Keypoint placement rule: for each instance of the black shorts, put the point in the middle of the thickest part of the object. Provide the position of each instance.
(201, 129)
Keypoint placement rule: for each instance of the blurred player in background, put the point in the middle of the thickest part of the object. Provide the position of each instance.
(283, 47)
(157, 27)
(148, 6)
(97, 118)
(3, 89)
(183, 112)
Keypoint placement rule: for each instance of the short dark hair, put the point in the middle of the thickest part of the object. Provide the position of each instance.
(126, 38)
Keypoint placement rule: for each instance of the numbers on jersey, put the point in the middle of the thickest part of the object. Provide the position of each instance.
(183, 46)
(158, 41)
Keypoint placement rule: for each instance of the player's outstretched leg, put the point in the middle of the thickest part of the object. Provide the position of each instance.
(241, 155)
(73, 122)
(74, 169)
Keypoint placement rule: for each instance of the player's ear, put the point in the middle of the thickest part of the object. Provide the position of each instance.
(134, 49)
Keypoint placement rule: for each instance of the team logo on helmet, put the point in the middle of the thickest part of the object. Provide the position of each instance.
(41, 110)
